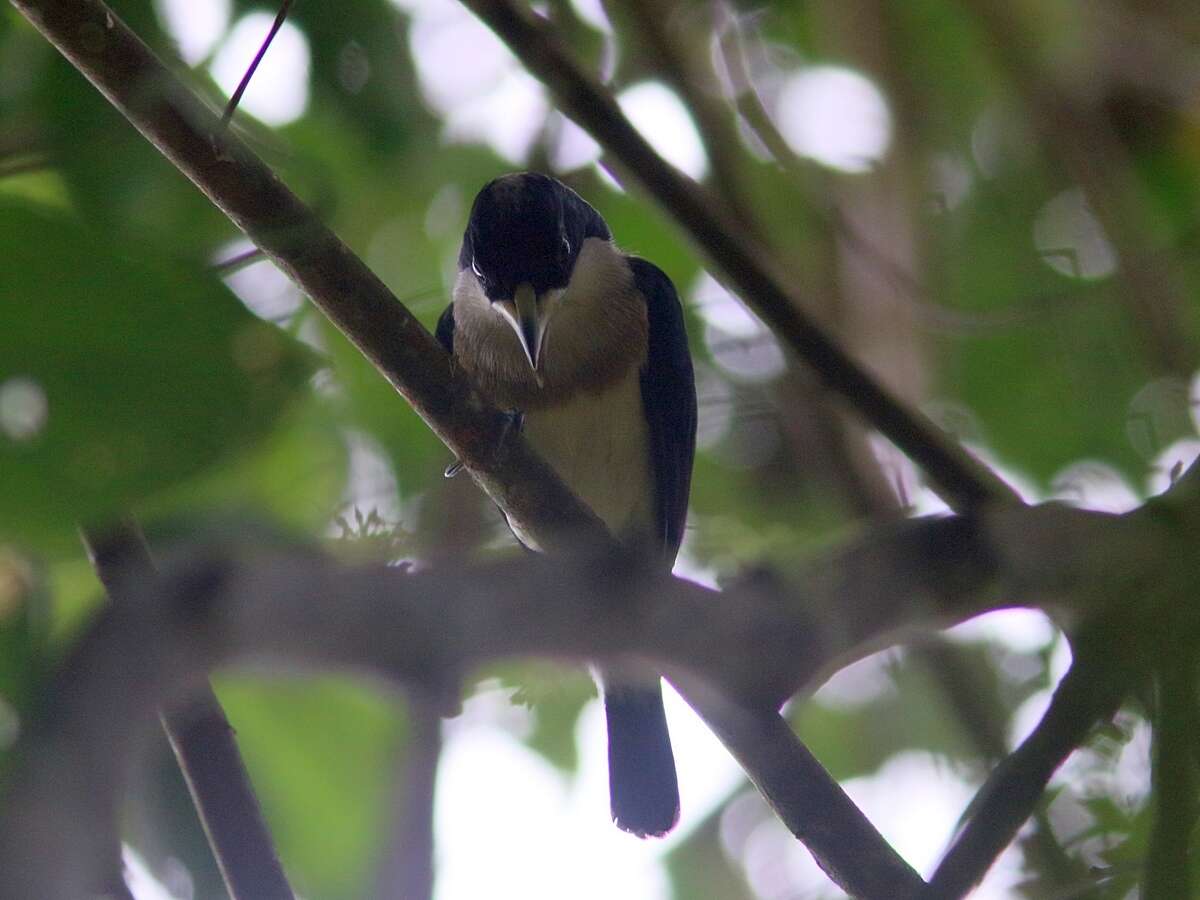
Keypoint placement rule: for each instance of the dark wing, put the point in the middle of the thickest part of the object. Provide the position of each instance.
(445, 329)
(669, 398)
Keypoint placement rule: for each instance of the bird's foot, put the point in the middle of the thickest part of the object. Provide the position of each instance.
(514, 423)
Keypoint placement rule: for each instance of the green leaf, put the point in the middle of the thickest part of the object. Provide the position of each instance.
(117, 179)
(295, 474)
(120, 374)
(321, 754)
(359, 62)
(856, 739)
(700, 865)
(556, 695)
(1053, 369)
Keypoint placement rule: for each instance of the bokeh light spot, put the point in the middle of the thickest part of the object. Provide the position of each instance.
(195, 27)
(1092, 484)
(1158, 414)
(739, 343)
(1070, 240)
(24, 408)
(472, 82)
(278, 92)
(950, 179)
(16, 581)
(835, 116)
(353, 67)
(662, 119)
(592, 12)
(261, 286)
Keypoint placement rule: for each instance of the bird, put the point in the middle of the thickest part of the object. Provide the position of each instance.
(585, 345)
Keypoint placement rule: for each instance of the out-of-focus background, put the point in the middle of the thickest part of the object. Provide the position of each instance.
(994, 206)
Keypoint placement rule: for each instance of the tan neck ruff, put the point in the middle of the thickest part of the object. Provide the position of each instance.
(597, 330)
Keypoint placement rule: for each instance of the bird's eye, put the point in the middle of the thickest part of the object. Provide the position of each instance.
(478, 273)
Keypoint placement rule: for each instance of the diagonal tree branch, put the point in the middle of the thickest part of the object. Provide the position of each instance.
(236, 97)
(407, 870)
(811, 803)
(203, 742)
(135, 81)
(1091, 691)
(961, 479)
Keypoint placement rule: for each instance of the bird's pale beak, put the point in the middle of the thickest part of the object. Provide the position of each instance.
(527, 318)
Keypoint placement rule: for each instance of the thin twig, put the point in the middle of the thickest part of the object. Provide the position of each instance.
(203, 742)
(808, 800)
(23, 165)
(1091, 691)
(238, 261)
(973, 699)
(234, 100)
(686, 69)
(408, 868)
(747, 100)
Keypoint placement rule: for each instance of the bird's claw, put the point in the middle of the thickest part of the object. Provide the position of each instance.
(514, 423)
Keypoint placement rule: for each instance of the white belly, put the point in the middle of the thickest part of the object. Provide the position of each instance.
(599, 445)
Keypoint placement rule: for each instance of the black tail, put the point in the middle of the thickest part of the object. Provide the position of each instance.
(641, 768)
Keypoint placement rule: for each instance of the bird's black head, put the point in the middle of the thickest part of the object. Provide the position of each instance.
(522, 241)
(526, 228)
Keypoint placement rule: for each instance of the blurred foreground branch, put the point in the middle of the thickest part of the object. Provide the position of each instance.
(1090, 692)
(407, 869)
(746, 649)
(203, 741)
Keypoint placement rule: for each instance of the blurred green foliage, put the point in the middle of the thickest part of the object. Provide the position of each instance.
(323, 757)
(144, 373)
(165, 396)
